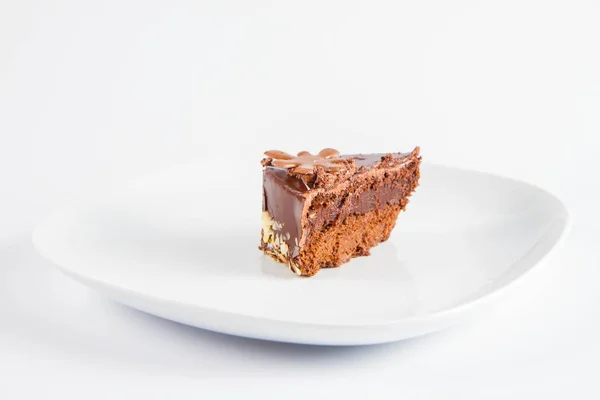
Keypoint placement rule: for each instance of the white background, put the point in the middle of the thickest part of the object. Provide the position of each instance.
(95, 92)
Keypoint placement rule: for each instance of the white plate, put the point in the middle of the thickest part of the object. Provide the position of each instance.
(183, 246)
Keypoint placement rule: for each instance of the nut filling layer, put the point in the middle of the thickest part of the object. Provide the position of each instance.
(274, 243)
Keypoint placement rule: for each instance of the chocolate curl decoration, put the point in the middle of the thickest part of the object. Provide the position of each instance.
(305, 162)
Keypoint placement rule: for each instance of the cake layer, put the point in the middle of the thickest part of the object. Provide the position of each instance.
(351, 237)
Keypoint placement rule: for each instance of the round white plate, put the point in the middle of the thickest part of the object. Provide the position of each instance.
(182, 244)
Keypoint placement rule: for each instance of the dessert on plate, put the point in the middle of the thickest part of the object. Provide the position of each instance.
(320, 211)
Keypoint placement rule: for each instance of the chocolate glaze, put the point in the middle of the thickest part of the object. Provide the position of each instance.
(372, 160)
(284, 201)
(366, 161)
(378, 181)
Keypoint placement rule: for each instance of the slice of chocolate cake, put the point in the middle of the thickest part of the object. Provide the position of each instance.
(319, 211)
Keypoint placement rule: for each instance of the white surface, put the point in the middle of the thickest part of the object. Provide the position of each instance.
(93, 92)
(153, 247)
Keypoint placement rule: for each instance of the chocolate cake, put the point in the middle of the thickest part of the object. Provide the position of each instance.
(319, 211)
